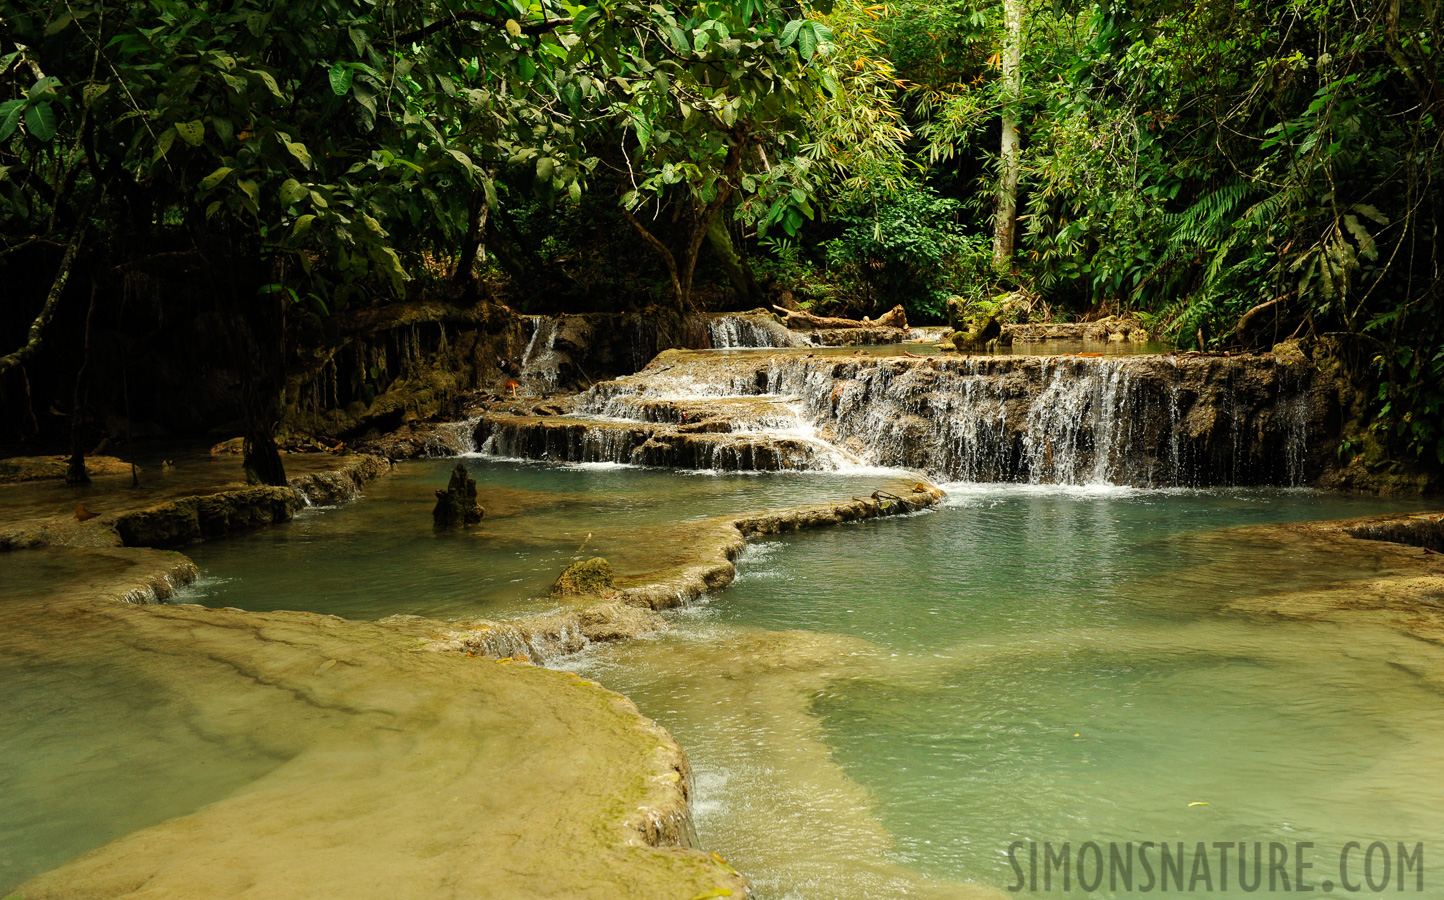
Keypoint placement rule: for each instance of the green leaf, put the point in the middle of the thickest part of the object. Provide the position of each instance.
(1367, 248)
(341, 76)
(192, 133)
(213, 208)
(466, 164)
(789, 33)
(215, 178)
(43, 89)
(59, 24)
(513, 28)
(806, 41)
(40, 121)
(94, 92)
(269, 81)
(544, 168)
(163, 144)
(11, 112)
(292, 191)
(249, 187)
(318, 201)
(679, 38)
(303, 225)
(574, 190)
(299, 151)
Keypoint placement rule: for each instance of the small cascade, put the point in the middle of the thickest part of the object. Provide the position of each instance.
(728, 332)
(539, 362)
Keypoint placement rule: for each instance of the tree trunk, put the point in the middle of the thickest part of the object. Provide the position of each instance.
(260, 457)
(738, 272)
(75, 473)
(57, 287)
(1006, 224)
(678, 294)
(472, 243)
(701, 223)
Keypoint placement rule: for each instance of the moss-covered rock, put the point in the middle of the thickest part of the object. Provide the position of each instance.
(590, 577)
(980, 332)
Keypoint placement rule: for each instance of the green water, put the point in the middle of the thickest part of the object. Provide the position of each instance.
(1034, 664)
(874, 710)
(380, 555)
(92, 749)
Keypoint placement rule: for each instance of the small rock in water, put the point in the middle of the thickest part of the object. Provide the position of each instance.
(594, 576)
(456, 507)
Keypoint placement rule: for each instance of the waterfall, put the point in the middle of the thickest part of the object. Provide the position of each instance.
(1142, 420)
(539, 361)
(749, 330)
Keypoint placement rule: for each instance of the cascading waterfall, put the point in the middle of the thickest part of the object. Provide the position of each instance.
(1142, 420)
(538, 362)
(731, 332)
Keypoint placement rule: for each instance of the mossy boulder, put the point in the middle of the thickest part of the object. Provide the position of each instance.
(591, 577)
(456, 507)
(980, 332)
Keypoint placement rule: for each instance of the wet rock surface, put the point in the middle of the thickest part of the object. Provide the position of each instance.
(632, 609)
(1112, 328)
(457, 507)
(435, 774)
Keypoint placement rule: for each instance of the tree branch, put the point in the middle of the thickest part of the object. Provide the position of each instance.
(52, 300)
(479, 18)
(662, 250)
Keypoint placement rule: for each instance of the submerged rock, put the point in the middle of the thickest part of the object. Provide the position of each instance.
(188, 519)
(48, 468)
(591, 577)
(456, 507)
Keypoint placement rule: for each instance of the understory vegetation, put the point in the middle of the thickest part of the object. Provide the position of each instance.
(1235, 173)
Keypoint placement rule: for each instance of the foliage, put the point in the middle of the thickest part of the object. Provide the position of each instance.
(902, 249)
(1236, 171)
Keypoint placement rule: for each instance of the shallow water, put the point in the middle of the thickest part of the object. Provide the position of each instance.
(874, 710)
(380, 556)
(93, 750)
(905, 698)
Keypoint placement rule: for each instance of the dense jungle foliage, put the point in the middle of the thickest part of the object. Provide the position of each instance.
(1233, 172)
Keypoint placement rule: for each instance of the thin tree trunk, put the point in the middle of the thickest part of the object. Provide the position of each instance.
(1006, 225)
(47, 311)
(678, 296)
(76, 473)
(681, 274)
